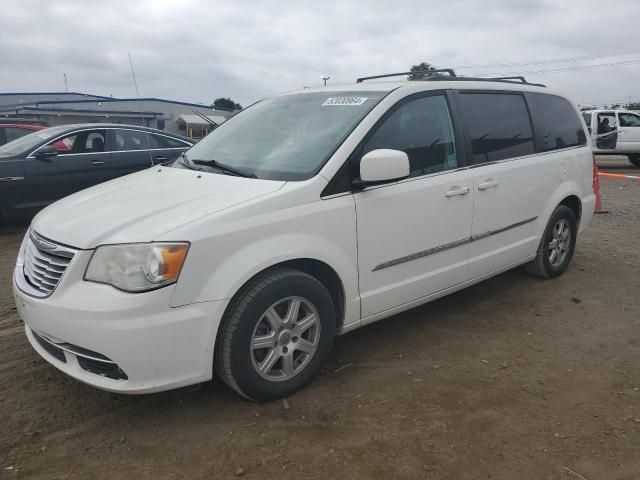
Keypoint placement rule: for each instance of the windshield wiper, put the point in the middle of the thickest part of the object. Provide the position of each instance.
(182, 160)
(225, 168)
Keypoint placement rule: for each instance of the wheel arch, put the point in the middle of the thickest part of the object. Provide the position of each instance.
(318, 269)
(575, 204)
(568, 194)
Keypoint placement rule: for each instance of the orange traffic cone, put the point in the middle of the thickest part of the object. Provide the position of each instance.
(596, 188)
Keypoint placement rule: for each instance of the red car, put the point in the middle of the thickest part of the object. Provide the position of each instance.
(10, 132)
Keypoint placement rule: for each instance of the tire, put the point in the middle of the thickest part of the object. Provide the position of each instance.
(634, 159)
(257, 316)
(545, 265)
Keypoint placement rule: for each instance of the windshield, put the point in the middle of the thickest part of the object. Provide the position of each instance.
(282, 138)
(30, 141)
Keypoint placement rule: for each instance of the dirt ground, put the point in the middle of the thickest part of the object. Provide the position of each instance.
(514, 378)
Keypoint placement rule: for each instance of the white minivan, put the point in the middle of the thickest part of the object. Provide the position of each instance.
(304, 216)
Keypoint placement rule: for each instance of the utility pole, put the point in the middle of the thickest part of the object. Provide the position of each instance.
(324, 79)
(66, 87)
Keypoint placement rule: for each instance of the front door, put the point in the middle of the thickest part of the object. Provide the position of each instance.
(413, 235)
(606, 128)
(83, 161)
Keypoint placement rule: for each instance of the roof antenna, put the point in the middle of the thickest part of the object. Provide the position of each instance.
(135, 83)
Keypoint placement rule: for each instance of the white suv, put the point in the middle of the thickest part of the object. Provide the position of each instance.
(305, 216)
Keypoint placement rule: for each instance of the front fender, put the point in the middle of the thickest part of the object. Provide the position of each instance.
(218, 266)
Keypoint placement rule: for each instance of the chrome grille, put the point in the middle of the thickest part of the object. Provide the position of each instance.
(44, 264)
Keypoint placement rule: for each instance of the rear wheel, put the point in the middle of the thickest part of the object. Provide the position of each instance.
(556, 246)
(276, 334)
(634, 159)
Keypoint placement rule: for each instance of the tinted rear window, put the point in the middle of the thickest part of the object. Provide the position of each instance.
(498, 124)
(557, 123)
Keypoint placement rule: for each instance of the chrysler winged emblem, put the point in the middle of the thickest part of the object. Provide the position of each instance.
(42, 244)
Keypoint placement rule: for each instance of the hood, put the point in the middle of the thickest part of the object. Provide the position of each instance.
(142, 206)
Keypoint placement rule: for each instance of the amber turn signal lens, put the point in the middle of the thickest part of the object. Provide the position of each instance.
(173, 258)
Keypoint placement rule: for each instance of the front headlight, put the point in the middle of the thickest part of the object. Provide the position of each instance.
(137, 267)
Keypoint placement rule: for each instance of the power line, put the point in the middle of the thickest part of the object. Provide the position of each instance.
(568, 69)
(551, 60)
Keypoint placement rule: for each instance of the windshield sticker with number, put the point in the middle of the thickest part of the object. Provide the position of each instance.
(344, 101)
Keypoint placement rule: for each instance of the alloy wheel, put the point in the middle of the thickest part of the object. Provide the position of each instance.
(285, 339)
(558, 247)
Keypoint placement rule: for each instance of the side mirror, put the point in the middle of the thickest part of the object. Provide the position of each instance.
(46, 153)
(383, 165)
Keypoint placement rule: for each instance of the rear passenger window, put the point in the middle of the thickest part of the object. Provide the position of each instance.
(130, 140)
(626, 120)
(557, 123)
(422, 129)
(498, 124)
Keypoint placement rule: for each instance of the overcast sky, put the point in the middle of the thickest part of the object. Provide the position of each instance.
(199, 50)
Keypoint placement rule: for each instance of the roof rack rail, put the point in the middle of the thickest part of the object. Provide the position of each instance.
(429, 73)
(512, 79)
(433, 76)
(520, 78)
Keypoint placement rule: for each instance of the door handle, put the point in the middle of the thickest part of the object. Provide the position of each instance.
(457, 190)
(96, 163)
(160, 158)
(489, 183)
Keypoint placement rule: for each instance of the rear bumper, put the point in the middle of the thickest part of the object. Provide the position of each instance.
(588, 206)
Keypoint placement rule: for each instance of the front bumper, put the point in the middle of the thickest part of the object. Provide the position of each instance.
(155, 346)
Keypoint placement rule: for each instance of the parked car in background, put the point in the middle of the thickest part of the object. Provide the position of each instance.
(51, 163)
(303, 216)
(12, 131)
(615, 132)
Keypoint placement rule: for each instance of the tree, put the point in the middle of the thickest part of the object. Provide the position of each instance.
(226, 104)
(421, 67)
(632, 106)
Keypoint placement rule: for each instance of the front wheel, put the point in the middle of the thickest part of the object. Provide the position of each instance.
(275, 335)
(634, 159)
(556, 246)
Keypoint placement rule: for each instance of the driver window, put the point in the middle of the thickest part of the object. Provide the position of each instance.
(91, 141)
(606, 122)
(422, 129)
(64, 145)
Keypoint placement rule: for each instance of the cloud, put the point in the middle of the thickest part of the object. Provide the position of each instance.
(247, 49)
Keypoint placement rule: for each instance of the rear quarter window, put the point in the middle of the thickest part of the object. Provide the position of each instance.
(556, 122)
